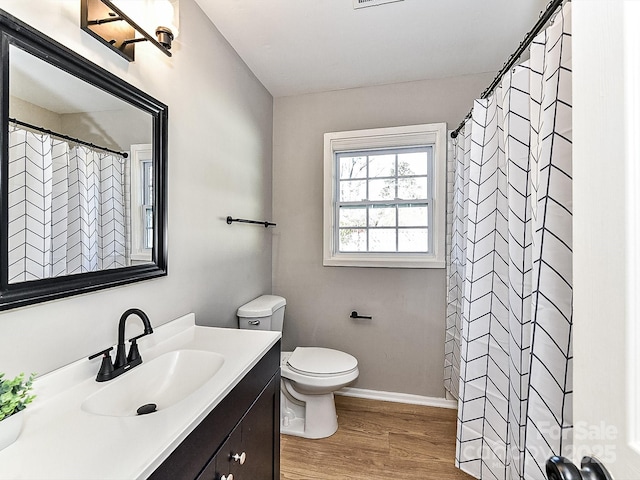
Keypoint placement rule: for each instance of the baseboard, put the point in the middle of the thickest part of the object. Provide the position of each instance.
(398, 397)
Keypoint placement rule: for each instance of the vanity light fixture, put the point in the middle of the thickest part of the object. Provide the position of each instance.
(106, 21)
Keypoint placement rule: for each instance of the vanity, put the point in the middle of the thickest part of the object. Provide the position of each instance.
(225, 426)
(240, 437)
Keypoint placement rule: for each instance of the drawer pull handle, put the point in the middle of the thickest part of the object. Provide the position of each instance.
(254, 322)
(240, 458)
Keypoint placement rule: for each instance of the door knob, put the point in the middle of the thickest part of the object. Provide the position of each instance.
(560, 468)
(240, 458)
(227, 477)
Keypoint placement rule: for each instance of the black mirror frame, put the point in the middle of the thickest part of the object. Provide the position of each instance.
(17, 33)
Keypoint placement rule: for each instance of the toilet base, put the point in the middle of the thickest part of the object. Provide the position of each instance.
(295, 428)
(314, 418)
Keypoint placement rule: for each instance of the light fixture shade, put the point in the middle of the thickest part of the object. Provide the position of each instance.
(151, 14)
(136, 10)
(165, 16)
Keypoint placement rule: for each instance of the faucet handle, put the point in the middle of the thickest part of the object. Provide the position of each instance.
(106, 368)
(134, 353)
(103, 352)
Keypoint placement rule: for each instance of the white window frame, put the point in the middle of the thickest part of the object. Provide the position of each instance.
(434, 135)
(139, 154)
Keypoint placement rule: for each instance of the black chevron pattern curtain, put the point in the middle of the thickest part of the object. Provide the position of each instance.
(509, 317)
(66, 208)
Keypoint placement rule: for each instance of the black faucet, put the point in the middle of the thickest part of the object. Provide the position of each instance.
(123, 362)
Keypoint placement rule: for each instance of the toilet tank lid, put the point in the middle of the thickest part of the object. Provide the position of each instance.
(262, 306)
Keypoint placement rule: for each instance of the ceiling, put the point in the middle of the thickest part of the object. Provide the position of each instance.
(303, 46)
(42, 84)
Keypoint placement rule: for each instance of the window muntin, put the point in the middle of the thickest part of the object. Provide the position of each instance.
(384, 200)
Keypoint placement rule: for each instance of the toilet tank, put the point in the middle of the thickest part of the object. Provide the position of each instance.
(263, 313)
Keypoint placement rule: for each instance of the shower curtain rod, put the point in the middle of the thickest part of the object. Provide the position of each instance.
(515, 56)
(65, 137)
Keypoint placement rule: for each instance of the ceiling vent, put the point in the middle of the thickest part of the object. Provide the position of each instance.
(371, 3)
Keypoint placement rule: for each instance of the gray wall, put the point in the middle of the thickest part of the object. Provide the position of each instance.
(115, 129)
(220, 144)
(34, 114)
(402, 348)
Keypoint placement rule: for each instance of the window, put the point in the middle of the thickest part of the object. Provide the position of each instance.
(385, 197)
(141, 203)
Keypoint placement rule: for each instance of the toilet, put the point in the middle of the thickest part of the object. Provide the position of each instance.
(309, 375)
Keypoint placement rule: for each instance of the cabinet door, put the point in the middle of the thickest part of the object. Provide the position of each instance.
(259, 441)
(222, 465)
(252, 451)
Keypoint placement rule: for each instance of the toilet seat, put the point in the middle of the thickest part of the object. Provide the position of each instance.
(321, 362)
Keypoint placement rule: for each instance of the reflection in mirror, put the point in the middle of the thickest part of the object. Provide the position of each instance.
(80, 175)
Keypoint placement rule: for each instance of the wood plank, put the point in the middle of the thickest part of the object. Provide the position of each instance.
(377, 440)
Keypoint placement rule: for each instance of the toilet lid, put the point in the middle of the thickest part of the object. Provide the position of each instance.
(321, 361)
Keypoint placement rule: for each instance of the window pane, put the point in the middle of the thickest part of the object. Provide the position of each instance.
(382, 166)
(413, 188)
(352, 240)
(413, 163)
(147, 183)
(413, 216)
(382, 240)
(353, 167)
(353, 217)
(413, 240)
(382, 189)
(353, 190)
(382, 216)
(148, 228)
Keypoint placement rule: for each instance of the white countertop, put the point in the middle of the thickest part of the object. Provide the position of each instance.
(61, 441)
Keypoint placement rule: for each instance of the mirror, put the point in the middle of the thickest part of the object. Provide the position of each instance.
(82, 184)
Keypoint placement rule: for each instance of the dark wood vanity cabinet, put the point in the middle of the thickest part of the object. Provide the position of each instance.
(248, 451)
(246, 421)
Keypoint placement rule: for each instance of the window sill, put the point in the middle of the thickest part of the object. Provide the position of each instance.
(141, 257)
(383, 261)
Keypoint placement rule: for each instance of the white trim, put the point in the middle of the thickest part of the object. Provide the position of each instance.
(434, 134)
(398, 397)
(632, 75)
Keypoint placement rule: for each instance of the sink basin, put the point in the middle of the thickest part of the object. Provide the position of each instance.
(163, 381)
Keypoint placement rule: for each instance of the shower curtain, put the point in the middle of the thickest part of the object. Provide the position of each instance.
(66, 208)
(509, 313)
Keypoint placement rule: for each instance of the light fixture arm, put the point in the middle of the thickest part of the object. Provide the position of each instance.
(133, 40)
(102, 21)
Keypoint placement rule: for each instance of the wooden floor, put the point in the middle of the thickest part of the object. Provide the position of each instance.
(377, 441)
